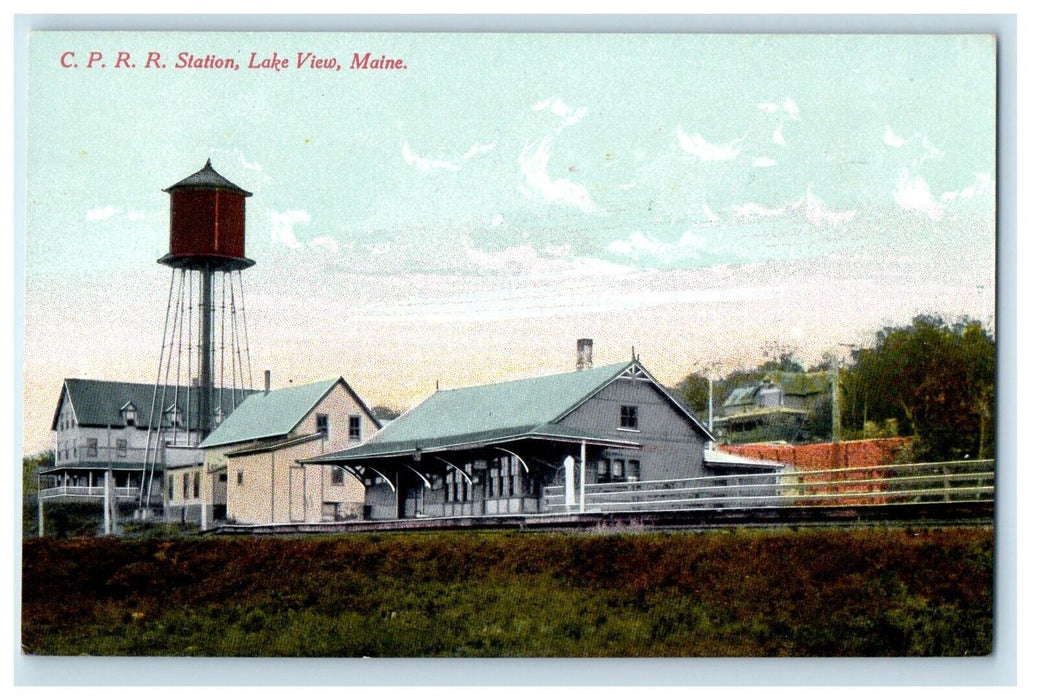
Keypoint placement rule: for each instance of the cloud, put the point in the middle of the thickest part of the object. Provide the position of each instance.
(639, 245)
(699, 147)
(102, 213)
(497, 221)
(533, 163)
(913, 194)
(752, 210)
(778, 138)
(892, 139)
(255, 167)
(427, 164)
(981, 185)
(282, 227)
(763, 162)
(559, 108)
(769, 107)
(817, 213)
(326, 243)
(708, 213)
(550, 261)
(790, 108)
(134, 215)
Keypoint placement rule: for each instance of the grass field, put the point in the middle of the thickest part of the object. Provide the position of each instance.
(863, 592)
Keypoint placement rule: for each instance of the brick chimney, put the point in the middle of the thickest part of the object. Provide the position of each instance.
(584, 353)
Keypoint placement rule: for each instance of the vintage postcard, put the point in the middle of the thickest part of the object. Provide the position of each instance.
(509, 345)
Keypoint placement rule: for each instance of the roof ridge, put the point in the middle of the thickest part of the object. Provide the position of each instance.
(540, 376)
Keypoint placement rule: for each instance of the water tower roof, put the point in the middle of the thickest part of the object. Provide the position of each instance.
(207, 179)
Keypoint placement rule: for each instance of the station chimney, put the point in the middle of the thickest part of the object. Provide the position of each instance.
(584, 354)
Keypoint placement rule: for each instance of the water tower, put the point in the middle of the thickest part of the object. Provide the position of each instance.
(204, 365)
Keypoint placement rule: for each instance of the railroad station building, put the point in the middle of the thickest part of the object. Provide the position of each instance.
(495, 449)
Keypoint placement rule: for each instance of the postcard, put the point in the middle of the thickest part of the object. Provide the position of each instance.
(509, 345)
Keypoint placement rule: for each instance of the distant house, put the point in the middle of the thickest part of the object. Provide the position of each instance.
(777, 408)
(493, 449)
(106, 426)
(252, 473)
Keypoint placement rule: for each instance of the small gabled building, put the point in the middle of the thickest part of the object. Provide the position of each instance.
(252, 471)
(493, 449)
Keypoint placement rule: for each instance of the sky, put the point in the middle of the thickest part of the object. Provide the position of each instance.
(465, 219)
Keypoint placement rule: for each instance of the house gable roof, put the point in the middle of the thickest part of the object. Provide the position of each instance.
(276, 413)
(495, 412)
(99, 402)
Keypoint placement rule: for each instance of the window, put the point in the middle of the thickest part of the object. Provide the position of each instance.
(354, 427)
(634, 470)
(629, 417)
(618, 469)
(602, 468)
(196, 480)
(223, 478)
(337, 476)
(241, 477)
(186, 485)
(171, 488)
(91, 447)
(129, 414)
(120, 447)
(322, 425)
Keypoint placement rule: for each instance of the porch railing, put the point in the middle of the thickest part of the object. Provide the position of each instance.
(932, 482)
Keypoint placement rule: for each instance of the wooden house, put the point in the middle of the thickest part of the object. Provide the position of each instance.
(493, 449)
(105, 427)
(252, 472)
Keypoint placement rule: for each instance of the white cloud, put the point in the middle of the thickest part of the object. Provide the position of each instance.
(427, 164)
(134, 215)
(769, 107)
(497, 221)
(778, 138)
(892, 139)
(326, 243)
(559, 108)
(639, 245)
(699, 147)
(533, 163)
(102, 213)
(763, 162)
(790, 108)
(255, 167)
(913, 194)
(981, 184)
(817, 213)
(708, 213)
(550, 261)
(282, 227)
(752, 210)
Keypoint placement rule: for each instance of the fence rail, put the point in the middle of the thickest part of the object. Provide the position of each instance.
(970, 481)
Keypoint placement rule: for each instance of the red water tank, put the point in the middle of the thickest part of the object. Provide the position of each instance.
(207, 223)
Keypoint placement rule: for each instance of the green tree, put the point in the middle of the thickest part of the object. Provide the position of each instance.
(935, 378)
(694, 391)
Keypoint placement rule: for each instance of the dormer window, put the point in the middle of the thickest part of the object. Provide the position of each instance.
(129, 413)
(173, 416)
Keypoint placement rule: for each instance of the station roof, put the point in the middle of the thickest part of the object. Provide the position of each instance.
(493, 413)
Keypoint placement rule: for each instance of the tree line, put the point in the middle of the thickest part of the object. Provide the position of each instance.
(932, 380)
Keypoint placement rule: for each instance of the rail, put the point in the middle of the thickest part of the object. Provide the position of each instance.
(89, 492)
(969, 481)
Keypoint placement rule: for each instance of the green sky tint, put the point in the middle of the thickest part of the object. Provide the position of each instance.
(466, 219)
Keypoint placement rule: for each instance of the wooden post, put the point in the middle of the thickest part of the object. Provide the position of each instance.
(571, 499)
(39, 505)
(583, 470)
(108, 502)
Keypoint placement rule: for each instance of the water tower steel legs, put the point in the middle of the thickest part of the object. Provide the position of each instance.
(205, 371)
